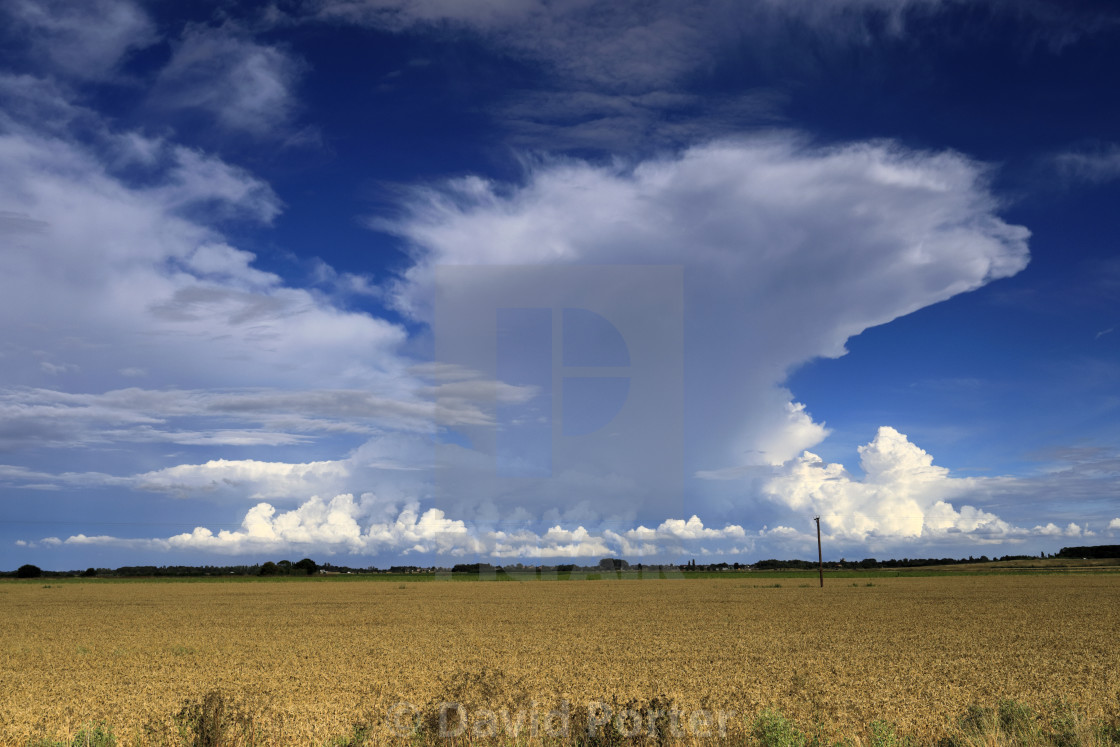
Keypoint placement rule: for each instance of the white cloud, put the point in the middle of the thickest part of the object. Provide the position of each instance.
(616, 76)
(430, 531)
(370, 525)
(398, 464)
(83, 40)
(1095, 166)
(676, 536)
(563, 120)
(619, 69)
(258, 480)
(1070, 530)
(902, 495)
(398, 14)
(684, 530)
(141, 268)
(29, 479)
(48, 417)
(901, 477)
(244, 85)
(628, 45)
(55, 369)
(1114, 524)
(198, 180)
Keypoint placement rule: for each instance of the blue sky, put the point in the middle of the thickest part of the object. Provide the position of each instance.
(521, 281)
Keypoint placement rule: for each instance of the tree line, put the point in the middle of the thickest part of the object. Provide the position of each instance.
(307, 566)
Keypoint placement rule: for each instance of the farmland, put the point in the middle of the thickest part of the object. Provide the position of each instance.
(307, 660)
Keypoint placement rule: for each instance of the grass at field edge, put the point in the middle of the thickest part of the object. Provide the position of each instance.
(218, 721)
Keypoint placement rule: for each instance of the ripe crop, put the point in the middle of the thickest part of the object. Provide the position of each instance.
(307, 660)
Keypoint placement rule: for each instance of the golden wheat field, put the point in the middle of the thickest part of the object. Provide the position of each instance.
(309, 659)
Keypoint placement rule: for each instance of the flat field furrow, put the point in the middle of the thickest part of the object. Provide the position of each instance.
(309, 659)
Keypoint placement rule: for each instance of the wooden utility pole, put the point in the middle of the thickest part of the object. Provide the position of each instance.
(820, 556)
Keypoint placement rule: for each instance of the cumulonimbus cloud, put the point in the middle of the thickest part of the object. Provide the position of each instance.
(788, 250)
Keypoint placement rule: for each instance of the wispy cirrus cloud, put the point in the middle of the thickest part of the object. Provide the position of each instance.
(620, 77)
(85, 40)
(46, 417)
(636, 47)
(242, 84)
(1093, 165)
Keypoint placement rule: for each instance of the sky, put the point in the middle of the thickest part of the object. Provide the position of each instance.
(382, 282)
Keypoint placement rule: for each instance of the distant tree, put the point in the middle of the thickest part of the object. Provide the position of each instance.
(29, 571)
(285, 567)
(89, 572)
(269, 569)
(307, 565)
(1092, 551)
(475, 568)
